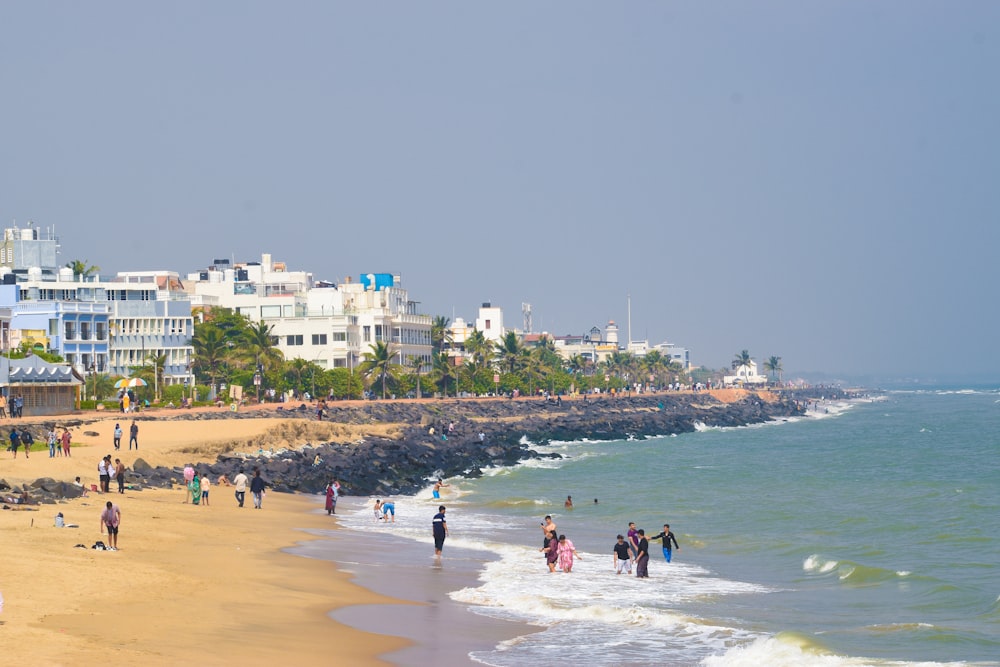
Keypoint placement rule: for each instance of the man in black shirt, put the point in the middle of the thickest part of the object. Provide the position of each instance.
(623, 556)
(440, 530)
(642, 555)
(667, 536)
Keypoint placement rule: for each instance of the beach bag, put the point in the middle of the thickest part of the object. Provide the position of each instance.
(99, 546)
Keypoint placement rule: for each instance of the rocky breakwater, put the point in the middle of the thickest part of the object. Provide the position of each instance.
(454, 437)
(462, 437)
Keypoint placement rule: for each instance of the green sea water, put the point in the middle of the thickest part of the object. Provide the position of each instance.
(863, 534)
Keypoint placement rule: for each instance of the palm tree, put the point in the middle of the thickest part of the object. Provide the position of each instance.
(378, 363)
(159, 364)
(261, 346)
(297, 368)
(509, 351)
(480, 348)
(210, 350)
(443, 370)
(81, 270)
(772, 366)
(439, 332)
(416, 363)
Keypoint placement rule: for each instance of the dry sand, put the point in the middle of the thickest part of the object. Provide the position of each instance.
(208, 585)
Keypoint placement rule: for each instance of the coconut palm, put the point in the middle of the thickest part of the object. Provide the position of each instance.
(260, 345)
(773, 366)
(443, 371)
(509, 351)
(210, 351)
(415, 364)
(378, 364)
(742, 359)
(81, 269)
(439, 332)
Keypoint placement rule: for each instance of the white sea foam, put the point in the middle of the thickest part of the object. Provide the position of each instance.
(791, 650)
(818, 564)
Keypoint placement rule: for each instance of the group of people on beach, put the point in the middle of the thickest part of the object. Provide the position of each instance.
(633, 549)
(58, 444)
(15, 405)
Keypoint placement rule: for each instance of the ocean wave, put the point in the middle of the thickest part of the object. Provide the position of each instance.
(788, 649)
(850, 572)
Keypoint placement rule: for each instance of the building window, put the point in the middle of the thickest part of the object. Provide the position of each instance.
(487, 324)
(367, 334)
(339, 336)
(319, 339)
(293, 340)
(70, 330)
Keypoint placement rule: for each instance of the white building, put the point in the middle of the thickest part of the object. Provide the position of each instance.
(745, 374)
(332, 326)
(490, 322)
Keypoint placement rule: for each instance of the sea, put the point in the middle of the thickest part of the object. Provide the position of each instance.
(865, 533)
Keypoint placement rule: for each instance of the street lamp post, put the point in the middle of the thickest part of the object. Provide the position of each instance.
(93, 374)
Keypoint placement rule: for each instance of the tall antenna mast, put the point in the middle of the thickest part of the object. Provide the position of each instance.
(526, 314)
(628, 298)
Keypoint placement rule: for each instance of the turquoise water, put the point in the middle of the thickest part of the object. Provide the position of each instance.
(864, 534)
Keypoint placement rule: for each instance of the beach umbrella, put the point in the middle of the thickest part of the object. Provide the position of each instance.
(137, 382)
(121, 383)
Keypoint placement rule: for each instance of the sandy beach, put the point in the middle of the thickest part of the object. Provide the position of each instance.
(209, 581)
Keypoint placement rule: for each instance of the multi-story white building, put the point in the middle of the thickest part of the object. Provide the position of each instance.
(330, 325)
(97, 326)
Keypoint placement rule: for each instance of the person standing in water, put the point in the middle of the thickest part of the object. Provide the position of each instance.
(439, 528)
(667, 537)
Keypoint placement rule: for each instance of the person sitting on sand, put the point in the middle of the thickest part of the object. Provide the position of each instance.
(224, 481)
(79, 484)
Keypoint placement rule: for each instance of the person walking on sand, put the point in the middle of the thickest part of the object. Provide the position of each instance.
(111, 518)
(566, 554)
(257, 485)
(439, 527)
(66, 438)
(195, 487)
(206, 485)
(3, 406)
(27, 441)
(118, 437)
(133, 436)
(120, 475)
(188, 477)
(53, 439)
(667, 537)
(15, 440)
(622, 556)
(642, 556)
(240, 487)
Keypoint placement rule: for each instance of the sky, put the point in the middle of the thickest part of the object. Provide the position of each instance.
(816, 181)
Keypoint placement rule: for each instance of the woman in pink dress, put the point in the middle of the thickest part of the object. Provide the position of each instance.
(566, 553)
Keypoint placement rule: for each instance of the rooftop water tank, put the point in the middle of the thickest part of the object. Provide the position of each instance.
(65, 275)
(34, 273)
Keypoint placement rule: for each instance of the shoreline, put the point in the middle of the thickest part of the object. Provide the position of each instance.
(438, 629)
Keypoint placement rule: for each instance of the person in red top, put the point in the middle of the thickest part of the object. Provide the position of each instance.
(111, 517)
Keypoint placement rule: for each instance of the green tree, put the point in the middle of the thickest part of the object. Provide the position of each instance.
(439, 332)
(443, 372)
(210, 351)
(416, 364)
(378, 365)
(81, 269)
(742, 359)
(773, 366)
(509, 351)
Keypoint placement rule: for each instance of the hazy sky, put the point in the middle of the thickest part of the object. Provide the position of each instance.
(814, 180)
